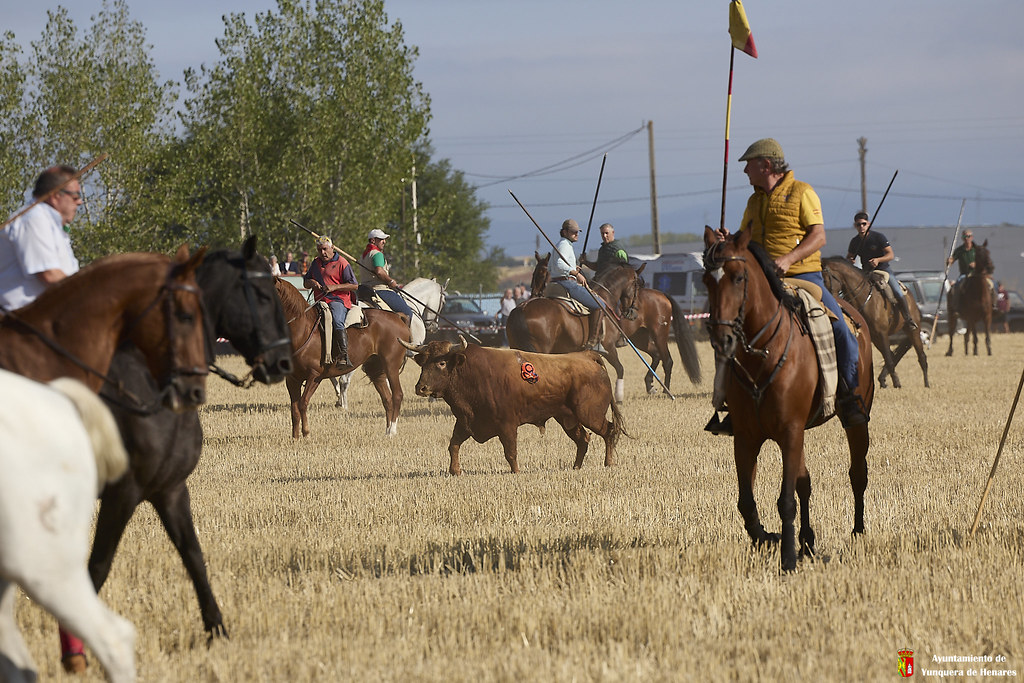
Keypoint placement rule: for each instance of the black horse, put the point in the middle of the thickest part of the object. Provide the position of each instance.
(241, 305)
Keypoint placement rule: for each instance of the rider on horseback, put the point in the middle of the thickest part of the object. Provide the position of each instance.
(875, 253)
(566, 273)
(784, 216)
(379, 276)
(331, 278)
(965, 256)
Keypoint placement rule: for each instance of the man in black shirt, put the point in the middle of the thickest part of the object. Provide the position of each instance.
(875, 253)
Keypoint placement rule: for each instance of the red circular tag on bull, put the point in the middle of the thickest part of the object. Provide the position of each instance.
(529, 374)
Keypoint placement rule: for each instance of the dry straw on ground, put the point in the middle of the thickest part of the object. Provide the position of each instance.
(352, 556)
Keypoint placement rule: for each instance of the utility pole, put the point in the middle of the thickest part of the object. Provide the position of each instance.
(655, 236)
(863, 143)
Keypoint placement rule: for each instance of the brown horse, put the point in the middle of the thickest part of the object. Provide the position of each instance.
(657, 315)
(884, 319)
(74, 327)
(549, 326)
(974, 301)
(376, 347)
(768, 373)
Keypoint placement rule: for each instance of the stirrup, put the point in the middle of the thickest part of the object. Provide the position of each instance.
(718, 427)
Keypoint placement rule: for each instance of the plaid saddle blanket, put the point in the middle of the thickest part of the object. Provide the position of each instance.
(818, 323)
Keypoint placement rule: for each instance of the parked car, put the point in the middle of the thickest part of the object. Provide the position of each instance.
(465, 312)
(1014, 316)
(926, 285)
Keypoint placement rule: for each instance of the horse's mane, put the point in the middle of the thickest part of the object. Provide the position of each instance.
(789, 300)
(839, 263)
(292, 302)
(86, 278)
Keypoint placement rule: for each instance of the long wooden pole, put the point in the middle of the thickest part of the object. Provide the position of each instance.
(39, 200)
(945, 272)
(999, 453)
(728, 116)
(608, 313)
(594, 205)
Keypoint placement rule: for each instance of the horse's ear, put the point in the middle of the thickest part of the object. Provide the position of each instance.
(193, 262)
(641, 268)
(249, 247)
(710, 236)
(743, 239)
(181, 255)
(537, 256)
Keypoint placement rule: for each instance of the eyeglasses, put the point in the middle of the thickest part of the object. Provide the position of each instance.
(968, 235)
(73, 195)
(860, 223)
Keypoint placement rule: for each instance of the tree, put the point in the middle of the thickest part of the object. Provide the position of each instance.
(451, 225)
(310, 114)
(100, 94)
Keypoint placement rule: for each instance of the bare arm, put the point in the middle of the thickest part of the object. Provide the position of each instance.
(51, 276)
(889, 255)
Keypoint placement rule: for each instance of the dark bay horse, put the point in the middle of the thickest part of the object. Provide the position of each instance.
(974, 301)
(884, 319)
(241, 305)
(548, 325)
(768, 369)
(657, 314)
(73, 328)
(376, 347)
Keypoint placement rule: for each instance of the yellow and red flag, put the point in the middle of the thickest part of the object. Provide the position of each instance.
(739, 29)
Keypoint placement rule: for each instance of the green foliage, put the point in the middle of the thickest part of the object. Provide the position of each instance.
(14, 136)
(451, 225)
(310, 114)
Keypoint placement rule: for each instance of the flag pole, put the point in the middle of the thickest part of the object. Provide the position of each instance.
(728, 117)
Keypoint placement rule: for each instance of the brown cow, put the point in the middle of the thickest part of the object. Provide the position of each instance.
(487, 392)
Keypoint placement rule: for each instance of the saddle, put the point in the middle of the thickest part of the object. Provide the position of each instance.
(558, 293)
(354, 318)
(818, 321)
(880, 280)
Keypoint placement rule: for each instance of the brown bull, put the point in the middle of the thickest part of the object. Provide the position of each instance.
(488, 391)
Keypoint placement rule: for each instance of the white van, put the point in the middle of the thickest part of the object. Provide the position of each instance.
(678, 275)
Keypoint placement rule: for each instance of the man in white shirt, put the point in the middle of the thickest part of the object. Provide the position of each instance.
(566, 272)
(35, 250)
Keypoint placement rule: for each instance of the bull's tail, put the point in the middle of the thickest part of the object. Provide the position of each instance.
(685, 342)
(618, 425)
(104, 436)
(518, 332)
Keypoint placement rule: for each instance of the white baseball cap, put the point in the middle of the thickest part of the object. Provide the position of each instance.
(378, 234)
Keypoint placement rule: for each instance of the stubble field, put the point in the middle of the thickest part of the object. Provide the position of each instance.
(353, 556)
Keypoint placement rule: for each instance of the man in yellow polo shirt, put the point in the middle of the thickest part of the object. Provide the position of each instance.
(784, 216)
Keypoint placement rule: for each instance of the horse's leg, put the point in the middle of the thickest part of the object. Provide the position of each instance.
(793, 470)
(613, 359)
(459, 434)
(380, 383)
(341, 389)
(858, 439)
(951, 330)
(16, 662)
(663, 352)
(745, 451)
(881, 342)
(922, 358)
(295, 396)
(303, 404)
(64, 589)
(174, 508)
(973, 331)
(988, 331)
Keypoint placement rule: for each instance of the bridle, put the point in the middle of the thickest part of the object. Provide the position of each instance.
(263, 347)
(714, 267)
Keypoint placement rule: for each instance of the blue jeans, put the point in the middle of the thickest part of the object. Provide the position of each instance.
(578, 292)
(846, 344)
(395, 301)
(338, 313)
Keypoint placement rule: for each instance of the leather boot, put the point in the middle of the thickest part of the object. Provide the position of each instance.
(340, 346)
(908, 320)
(594, 342)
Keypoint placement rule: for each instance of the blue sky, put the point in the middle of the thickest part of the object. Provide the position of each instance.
(937, 88)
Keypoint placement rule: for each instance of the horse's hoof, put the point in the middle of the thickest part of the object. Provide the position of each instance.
(75, 663)
(767, 540)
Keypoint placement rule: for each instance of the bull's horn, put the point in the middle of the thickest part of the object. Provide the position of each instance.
(464, 345)
(415, 348)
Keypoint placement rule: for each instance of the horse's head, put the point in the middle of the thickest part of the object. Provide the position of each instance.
(243, 306)
(983, 259)
(623, 286)
(169, 330)
(541, 275)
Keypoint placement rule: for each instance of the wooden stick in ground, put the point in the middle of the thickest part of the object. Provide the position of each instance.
(39, 200)
(999, 452)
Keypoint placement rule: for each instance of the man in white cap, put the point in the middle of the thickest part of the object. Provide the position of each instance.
(784, 216)
(566, 272)
(378, 276)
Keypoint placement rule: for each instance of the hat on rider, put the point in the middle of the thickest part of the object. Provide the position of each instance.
(378, 234)
(766, 148)
(570, 224)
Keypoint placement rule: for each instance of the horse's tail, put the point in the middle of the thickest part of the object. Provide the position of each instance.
(685, 342)
(104, 437)
(517, 331)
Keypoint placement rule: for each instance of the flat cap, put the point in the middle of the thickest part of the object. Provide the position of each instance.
(570, 224)
(767, 148)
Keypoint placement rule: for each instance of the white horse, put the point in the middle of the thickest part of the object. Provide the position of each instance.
(59, 446)
(426, 297)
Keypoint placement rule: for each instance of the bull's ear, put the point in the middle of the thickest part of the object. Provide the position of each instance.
(459, 359)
